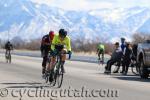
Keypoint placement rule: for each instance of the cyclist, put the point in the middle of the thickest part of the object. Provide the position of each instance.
(100, 51)
(45, 48)
(60, 40)
(8, 47)
(116, 57)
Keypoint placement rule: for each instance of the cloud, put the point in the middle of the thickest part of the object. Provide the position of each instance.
(75, 4)
(93, 4)
(43, 1)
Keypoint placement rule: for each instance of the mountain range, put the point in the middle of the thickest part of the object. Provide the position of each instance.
(27, 20)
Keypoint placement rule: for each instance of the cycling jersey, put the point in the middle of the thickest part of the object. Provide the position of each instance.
(45, 44)
(45, 40)
(8, 46)
(57, 41)
(101, 47)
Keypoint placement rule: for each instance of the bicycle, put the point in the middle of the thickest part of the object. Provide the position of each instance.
(101, 59)
(8, 56)
(100, 62)
(57, 73)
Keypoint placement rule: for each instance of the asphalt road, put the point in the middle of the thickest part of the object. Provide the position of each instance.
(22, 80)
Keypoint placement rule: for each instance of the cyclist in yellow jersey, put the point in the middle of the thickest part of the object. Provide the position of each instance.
(100, 51)
(60, 43)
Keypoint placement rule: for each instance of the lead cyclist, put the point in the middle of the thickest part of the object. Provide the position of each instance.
(59, 40)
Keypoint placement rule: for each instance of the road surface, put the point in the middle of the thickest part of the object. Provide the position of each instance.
(22, 80)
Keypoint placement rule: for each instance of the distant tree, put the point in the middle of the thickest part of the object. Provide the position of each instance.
(17, 42)
(33, 44)
(140, 37)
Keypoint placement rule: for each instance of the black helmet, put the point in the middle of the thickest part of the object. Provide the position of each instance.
(8, 42)
(62, 33)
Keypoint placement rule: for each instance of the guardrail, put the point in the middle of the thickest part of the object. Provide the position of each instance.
(73, 58)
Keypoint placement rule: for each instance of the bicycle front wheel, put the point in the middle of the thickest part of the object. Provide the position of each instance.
(9, 58)
(59, 77)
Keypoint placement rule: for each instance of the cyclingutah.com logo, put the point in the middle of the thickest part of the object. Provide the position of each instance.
(52, 94)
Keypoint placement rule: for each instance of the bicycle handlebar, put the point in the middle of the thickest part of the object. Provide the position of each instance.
(67, 53)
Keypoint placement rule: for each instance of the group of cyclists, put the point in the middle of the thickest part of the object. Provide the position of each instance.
(52, 44)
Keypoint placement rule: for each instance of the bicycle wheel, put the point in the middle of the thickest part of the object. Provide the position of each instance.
(46, 79)
(59, 76)
(51, 83)
(6, 57)
(9, 58)
(98, 61)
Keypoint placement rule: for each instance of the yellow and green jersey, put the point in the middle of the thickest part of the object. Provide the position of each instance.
(101, 47)
(57, 41)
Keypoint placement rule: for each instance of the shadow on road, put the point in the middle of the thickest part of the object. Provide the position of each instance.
(25, 85)
(131, 78)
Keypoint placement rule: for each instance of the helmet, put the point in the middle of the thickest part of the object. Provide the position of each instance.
(62, 33)
(8, 42)
(51, 34)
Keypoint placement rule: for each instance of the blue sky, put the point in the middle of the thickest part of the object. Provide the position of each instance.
(94, 4)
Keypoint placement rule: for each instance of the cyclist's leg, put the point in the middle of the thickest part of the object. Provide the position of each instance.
(6, 52)
(44, 62)
(63, 59)
(99, 55)
(43, 65)
(9, 52)
(52, 63)
(50, 68)
(103, 56)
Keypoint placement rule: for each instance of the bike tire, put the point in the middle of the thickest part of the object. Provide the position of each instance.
(59, 77)
(9, 58)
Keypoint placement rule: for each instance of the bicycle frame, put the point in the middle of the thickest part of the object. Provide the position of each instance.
(8, 56)
(58, 72)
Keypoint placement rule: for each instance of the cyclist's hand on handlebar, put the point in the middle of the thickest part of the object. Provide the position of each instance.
(70, 53)
(53, 52)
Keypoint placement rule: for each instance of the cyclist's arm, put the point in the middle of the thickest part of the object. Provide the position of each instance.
(97, 49)
(68, 44)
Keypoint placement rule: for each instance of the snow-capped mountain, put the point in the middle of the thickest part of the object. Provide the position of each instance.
(28, 20)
